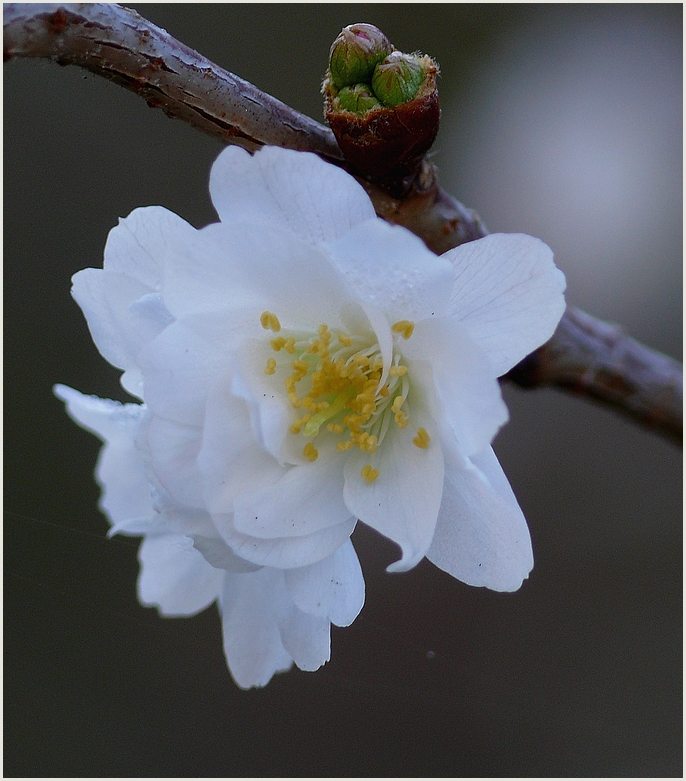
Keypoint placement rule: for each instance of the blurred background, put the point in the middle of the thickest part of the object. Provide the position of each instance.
(562, 121)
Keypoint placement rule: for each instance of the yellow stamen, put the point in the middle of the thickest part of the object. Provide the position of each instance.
(397, 371)
(310, 452)
(289, 345)
(384, 391)
(343, 446)
(404, 327)
(345, 340)
(270, 368)
(401, 420)
(277, 343)
(422, 439)
(313, 425)
(369, 473)
(270, 322)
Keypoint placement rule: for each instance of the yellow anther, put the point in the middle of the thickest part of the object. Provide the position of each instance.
(401, 419)
(384, 391)
(404, 327)
(397, 403)
(334, 428)
(270, 322)
(342, 446)
(422, 439)
(397, 371)
(295, 428)
(310, 452)
(300, 366)
(369, 473)
(289, 345)
(277, 343)
(345, 340)
(324, 333)
(270, 368)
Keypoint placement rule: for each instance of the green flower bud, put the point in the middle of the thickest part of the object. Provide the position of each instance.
(397, 79)
(355, 52)
(359, 98)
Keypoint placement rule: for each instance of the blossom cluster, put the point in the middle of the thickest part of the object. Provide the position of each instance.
(299, 365)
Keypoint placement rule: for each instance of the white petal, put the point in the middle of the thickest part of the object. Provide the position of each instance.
(251, 268)
(120, 470)
(105, 298)
(231, 460)
(306, 638)
(173, 451)
(271, 413)
(467, 391)
(217, 553)
(139, 245)
(284, 552)
(175, 577)
(250, 605)
(391, 269)
(403, 502)
(179, 368)
(508, 294)
(294, 190)
(305, 500)
(481, 537)
(332, 588)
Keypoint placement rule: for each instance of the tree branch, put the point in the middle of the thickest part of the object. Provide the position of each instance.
(585, 356)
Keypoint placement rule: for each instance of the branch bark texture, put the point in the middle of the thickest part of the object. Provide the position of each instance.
(585, 356)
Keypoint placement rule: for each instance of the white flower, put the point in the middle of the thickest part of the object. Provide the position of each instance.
(304, 364)
(270, 616)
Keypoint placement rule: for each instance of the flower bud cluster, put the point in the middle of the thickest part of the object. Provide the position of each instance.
(382, 106)
(366, 73)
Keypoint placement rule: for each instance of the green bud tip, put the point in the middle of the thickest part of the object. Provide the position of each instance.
(358, 99)
(397, 79)
(355, 52)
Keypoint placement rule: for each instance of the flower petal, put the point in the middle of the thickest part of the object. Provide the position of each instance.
(217, 553)
(173, 450)
(332, 588)
(391, 269)
(231, 460)
(284, 552)
(508, 294)
(466, 389)
(140, 243)
(403, 501)
(250, 268)
(118, 331)
(481, 537)
(120, 470)
(294, 190)
(305, 500)
(271, 413)
(174, 577)
(250, 606)
(306, 638)
(179, 368)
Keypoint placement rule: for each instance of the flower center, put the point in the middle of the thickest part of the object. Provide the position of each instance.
(333, 381)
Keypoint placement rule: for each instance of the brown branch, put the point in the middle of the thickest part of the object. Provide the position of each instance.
(591, 358)
(122, 46)
(586, 355)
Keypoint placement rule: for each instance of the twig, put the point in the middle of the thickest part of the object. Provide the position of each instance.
(595, 359)
(117, 43)
(586, 355)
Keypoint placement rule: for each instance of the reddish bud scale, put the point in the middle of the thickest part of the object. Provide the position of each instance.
(388, 144)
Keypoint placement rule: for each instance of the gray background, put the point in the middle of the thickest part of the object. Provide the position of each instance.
(560, 121)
